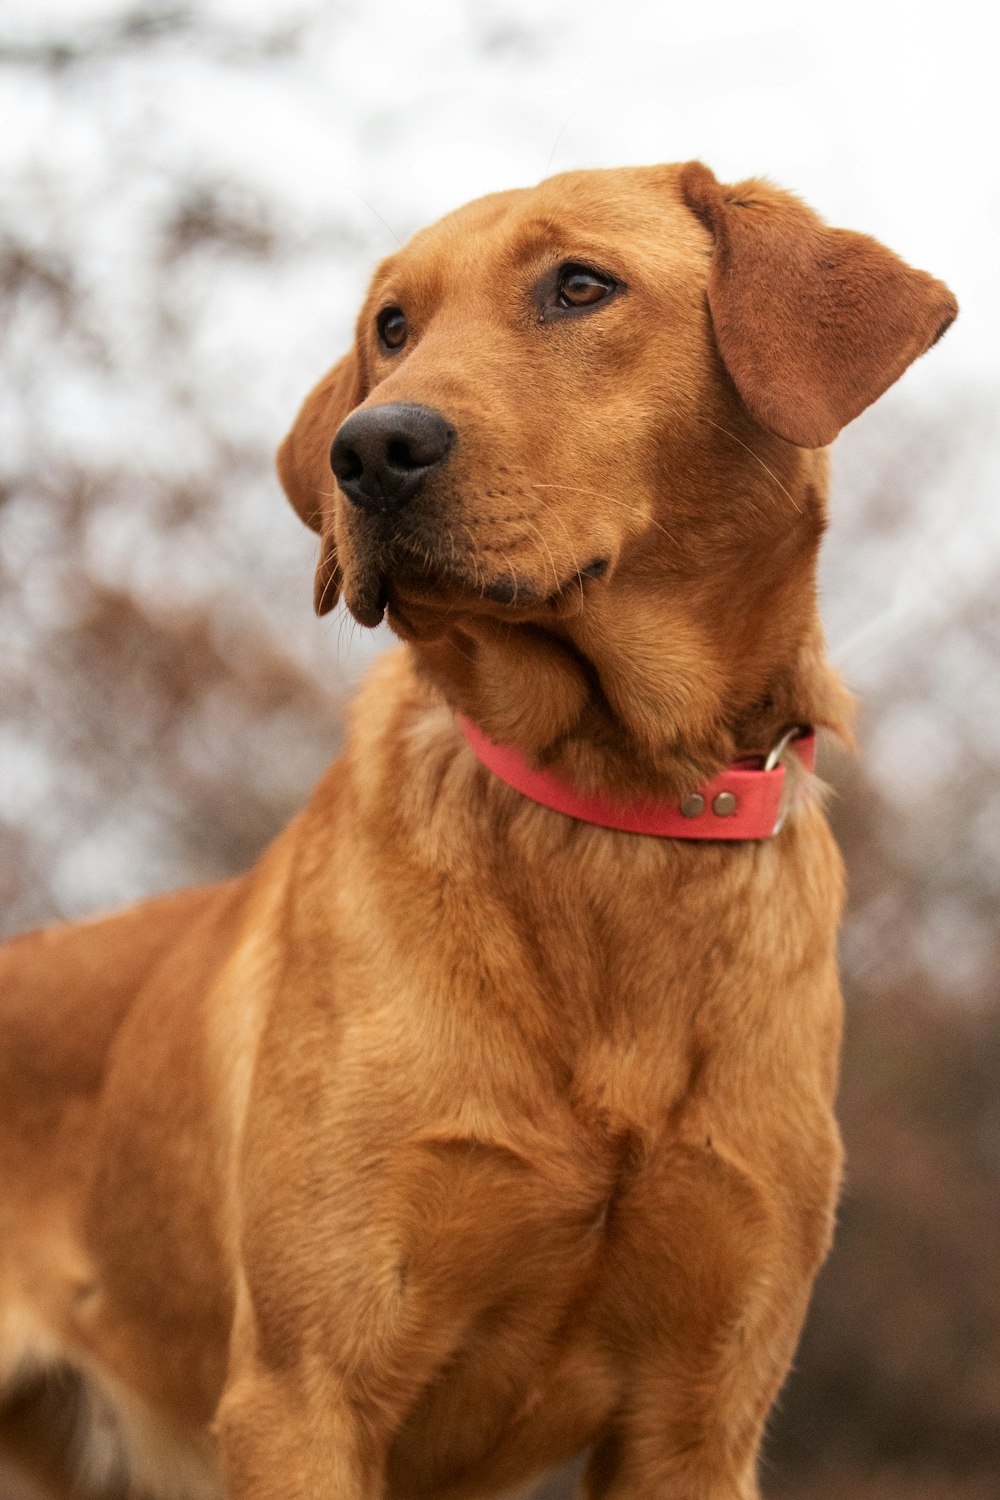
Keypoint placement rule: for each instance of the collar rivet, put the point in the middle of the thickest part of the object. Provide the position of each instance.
(693, 806)
(724, 805)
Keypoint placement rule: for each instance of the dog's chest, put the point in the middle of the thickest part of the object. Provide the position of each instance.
(517, 1265)
(517, 1127)
(514, 1246)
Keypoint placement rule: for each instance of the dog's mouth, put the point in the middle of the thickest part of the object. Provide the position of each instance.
(406, 572)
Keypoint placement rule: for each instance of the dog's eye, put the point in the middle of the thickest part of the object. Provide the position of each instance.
(579, 286)
(392, 327)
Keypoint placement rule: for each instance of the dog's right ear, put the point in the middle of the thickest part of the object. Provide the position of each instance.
(303, 463)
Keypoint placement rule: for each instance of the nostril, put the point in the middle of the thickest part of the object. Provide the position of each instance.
(401, 456)
(348, 464)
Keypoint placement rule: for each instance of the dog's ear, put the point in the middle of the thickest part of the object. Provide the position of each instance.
(304, 467)
(812, 323)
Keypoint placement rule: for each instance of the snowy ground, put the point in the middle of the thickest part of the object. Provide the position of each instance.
(193, 196)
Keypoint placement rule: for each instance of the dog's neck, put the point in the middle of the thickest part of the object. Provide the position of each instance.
(701, 645)
(650, 715)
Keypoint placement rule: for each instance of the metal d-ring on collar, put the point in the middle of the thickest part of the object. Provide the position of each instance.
(773, 760)
(774, 755)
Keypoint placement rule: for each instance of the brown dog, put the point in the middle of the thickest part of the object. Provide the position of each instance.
(461, 1135)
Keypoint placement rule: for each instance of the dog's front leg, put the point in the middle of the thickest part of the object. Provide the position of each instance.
(326, 1358)
(292, 1435)
(710, 1324)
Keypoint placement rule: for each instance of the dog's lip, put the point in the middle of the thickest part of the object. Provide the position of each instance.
(402, 567)
(368, 606)
(366, 595)
(453, 592)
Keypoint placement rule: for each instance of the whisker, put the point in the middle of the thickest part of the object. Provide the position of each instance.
(372, 209)
(579, 488)
(548, 549)
(451, 548)
(569, 544)
(756, 456)
(636, 510)
(326, 589)
(574, 557)
(480, 582)
(513, 576)
(555, 144)
(606, 499)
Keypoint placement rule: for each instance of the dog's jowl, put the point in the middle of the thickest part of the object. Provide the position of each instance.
(488, 1120)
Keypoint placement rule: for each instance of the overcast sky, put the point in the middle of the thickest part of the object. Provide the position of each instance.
(881, 114)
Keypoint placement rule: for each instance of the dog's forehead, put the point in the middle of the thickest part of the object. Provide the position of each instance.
(627, 213)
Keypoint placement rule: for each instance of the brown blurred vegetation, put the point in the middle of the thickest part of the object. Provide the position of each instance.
(896, 1389)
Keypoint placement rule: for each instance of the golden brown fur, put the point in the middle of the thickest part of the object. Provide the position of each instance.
(458, 1136)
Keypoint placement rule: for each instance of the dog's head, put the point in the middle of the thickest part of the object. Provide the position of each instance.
(582, 423)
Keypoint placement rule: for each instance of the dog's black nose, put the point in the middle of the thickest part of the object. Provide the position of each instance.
(382, 454)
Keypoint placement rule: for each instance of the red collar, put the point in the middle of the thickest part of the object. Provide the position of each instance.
(742, 802)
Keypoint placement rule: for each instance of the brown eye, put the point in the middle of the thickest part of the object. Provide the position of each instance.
(578, 286)
(392, 327)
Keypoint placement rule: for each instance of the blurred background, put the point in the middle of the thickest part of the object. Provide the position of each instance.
(193, 196)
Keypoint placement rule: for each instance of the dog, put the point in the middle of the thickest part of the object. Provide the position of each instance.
(489, 1119)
